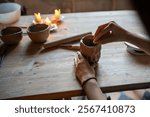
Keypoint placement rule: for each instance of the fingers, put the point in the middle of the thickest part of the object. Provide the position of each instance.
(77, 59)
(79, 55)
(75, 62)
(105, 31)
(106, 38)
(100, 28)
(94, 65)
(80, 59)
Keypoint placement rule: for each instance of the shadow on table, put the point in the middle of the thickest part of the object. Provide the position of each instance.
(4, 51)
(33, 48)
(45, 50)
(141, 59)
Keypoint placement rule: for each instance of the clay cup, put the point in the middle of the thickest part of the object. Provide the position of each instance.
(38, 33)
(90, 50)
(11, 35)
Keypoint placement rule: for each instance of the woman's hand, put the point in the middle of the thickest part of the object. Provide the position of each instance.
(109, 32)
(83, 70)
(86, 75)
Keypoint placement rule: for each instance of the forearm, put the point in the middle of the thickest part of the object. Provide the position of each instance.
(140, 42)
(93, 91)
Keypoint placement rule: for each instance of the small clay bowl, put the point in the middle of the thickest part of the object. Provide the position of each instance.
(38, 33)
(90, 50)
(11, 35)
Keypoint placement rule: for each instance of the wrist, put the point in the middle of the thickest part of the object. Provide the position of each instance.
(89, 80)
(128, 37)
(87, 76)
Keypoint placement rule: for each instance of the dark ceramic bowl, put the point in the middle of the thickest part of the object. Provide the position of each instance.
(38, 33)
(11, 35)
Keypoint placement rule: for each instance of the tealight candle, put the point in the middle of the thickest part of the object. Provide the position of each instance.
(38, 17)
(47, 21)
(57, 14)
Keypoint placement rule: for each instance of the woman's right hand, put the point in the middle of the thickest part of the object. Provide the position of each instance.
(109, 32)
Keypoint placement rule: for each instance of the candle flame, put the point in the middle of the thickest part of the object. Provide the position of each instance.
(37, 17)
(57, 14)
(47, 21)
(52, 22)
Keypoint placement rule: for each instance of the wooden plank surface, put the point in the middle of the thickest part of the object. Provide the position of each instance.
(31, 72)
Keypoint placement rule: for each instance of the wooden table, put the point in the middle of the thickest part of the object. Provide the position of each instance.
(31, 72)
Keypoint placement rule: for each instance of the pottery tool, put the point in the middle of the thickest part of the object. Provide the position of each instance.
(70, 47)
(65, 40)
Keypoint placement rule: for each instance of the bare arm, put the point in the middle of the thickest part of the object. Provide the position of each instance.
(86, 76)
(93, 91)
(140, 42)
(112, 32)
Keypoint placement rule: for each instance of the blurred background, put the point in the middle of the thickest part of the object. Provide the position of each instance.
(69, 6)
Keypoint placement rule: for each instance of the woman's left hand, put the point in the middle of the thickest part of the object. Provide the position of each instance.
(83, 70)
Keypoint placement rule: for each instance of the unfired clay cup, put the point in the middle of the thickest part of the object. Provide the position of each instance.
(38, 33)
(11, 35)
(89, 50)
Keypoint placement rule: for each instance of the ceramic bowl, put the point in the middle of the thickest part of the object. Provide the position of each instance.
(11, 35)
(38, 33)
(90, 50)
(9, 13)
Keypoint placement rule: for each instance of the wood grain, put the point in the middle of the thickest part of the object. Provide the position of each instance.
(31, 72)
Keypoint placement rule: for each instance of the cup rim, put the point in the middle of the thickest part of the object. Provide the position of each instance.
(81, 41)
(28, 31)
(17, 32)
(16, 5)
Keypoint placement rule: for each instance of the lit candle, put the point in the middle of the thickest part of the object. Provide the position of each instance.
(57, 14)
(47, 21)
(37, 17)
